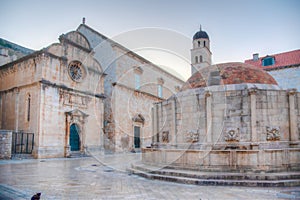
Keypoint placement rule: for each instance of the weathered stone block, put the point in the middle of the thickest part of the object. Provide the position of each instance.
(5, 144)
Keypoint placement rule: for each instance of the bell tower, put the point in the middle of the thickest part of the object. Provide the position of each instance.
(200, 53)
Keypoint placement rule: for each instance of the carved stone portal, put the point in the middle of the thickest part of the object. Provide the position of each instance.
(79, 118)
(192, 136)
(273, 133)
(232, 135)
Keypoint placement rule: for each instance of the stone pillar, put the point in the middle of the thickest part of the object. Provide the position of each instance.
(83, 134)
(17, 91)
(5, 144)
(252, 93)
(208, 116)
(152, 125)
(67, 136)
(159, 117)
(102, 127)
(233, 159)
(155, 124)
(292, 116)
(174, 136)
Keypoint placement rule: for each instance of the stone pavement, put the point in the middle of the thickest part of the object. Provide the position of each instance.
(105, 177)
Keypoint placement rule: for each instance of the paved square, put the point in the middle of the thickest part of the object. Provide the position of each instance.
(104, 177)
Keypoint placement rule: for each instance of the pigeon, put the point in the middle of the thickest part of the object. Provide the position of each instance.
(37, 196)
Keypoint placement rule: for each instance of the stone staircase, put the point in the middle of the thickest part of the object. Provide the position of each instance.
(278, 179)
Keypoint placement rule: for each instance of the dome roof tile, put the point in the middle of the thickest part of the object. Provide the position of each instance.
(226, 74)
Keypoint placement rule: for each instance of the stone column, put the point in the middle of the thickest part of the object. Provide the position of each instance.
(208, 116)
(292, 116)
(83, 133)
(67, 136)
(252, 93)
(159, 117)
(102, 127)
(174, 136)
(152, 125)
(155, 124)
(17, 91)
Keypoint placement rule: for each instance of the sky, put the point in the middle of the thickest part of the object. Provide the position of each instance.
(161, 30)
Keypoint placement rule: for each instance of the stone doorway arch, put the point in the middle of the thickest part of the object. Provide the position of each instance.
(138, 123)
(74, 137)
(75, 125)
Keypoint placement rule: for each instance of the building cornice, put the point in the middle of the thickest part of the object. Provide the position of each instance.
(42, 52)
(282, 67)
(138, 91)
(64, 87)
(60, 86)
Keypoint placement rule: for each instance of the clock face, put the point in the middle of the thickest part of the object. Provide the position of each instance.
(76, 71)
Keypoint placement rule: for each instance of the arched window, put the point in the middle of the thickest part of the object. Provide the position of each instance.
(137, 78)
(160, 91)
(28, 107)
(199, 43)
(160, 82)
(196, 59)
(201, 59)
(204, 43)
(138, 71)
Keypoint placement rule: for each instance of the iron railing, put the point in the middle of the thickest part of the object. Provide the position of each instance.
(22, 143)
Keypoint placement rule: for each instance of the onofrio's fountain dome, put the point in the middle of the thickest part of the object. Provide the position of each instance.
(228, 73)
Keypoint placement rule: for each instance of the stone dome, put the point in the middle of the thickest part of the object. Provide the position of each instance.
(226, 74)
(200, 34)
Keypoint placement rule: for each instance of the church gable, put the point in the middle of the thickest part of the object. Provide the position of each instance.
(76, 38)
(75, 53)
(73, 39)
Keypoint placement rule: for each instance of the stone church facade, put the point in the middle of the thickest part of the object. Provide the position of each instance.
(85, 93)
(57, 94)
(131, 86)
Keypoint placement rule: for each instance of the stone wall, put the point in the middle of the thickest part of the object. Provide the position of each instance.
(131, 108)
(216, 115)
(53, 131)
(232, 127)
(287, 78)
(272, 110)
(5, 144)
(150, 75)
(225, 160)
(14, 108)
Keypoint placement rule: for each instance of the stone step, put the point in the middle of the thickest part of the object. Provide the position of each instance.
(77, 154)
(219, 175)
(21, 156)
(205, 178)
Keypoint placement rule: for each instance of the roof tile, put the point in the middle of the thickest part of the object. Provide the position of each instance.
(285, 59)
